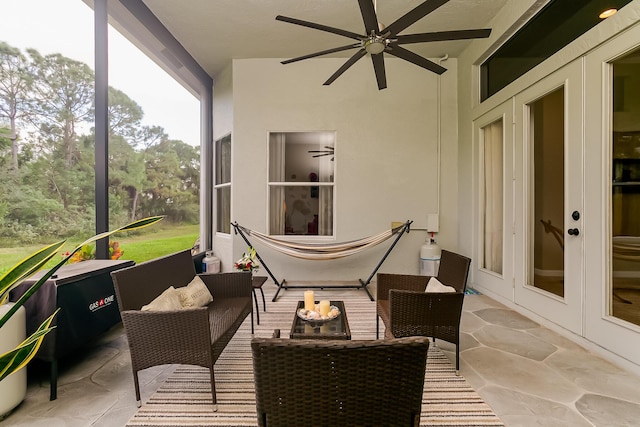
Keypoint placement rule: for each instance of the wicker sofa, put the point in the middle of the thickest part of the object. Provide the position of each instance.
(193, 336)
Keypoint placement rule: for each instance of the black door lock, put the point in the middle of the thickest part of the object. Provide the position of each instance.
(575, 215)
(573, 232)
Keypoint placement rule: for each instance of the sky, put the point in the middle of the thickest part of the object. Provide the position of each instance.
(66, 27)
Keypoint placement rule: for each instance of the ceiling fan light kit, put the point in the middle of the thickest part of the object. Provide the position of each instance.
(374, 45)
(379, 39)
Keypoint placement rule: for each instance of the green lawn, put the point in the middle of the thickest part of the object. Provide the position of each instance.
(151, 242)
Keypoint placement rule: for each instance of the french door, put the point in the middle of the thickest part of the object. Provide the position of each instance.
(549, 197)
(612, 132)
(559, 164)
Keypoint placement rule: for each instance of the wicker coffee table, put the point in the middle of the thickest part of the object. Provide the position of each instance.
(336, 329)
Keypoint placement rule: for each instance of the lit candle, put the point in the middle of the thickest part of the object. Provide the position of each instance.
(324, 307)
(309, 301)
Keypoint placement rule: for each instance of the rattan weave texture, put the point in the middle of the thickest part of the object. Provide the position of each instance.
(407, 310)
(339, 383)
(192, 336)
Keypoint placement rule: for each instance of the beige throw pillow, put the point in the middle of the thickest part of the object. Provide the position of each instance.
(166, 301)
(195, 294)
(435, 285)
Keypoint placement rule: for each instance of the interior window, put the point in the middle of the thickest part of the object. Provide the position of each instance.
(222, 185)
(301, 185)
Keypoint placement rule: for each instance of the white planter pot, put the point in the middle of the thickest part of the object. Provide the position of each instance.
(13, 389)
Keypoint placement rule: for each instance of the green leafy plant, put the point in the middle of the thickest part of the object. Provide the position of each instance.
(19, 357)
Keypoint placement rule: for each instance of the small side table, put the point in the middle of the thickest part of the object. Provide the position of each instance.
(257, 282)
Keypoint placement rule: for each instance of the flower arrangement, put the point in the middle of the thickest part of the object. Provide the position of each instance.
(88, 252)
(248, 261)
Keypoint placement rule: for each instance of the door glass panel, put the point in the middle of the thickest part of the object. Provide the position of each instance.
(492, 212)
(546, 266)
(624, 292)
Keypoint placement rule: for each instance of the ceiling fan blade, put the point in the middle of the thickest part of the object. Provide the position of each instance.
(407, 55)
(324, 52)
(443, 36)
(320, 27)
(414, 15)
(359, 54)
(378, 67)
(369, 16)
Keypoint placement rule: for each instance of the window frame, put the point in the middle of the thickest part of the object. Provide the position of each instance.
(222, 182)
(329, 185)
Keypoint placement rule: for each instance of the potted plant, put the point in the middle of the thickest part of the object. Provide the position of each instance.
(15, 359)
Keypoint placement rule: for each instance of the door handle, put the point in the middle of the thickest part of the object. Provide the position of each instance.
(573, 232)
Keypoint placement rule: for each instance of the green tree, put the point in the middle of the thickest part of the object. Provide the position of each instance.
(5, 139)
(124, 114)
(173, 188)
(64, 91)
(16, 79)
(127, 175)
(47, 184)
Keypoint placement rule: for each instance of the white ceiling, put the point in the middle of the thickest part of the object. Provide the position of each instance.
(216, 31)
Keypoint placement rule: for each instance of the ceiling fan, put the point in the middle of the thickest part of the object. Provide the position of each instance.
(328, 151)
(379, 39)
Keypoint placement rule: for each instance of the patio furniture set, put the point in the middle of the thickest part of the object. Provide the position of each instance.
(344, 380)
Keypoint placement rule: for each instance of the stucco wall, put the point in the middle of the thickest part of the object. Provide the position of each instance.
(386, 161)
(222, 125)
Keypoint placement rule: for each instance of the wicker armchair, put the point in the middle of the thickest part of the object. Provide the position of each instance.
(194, 336)
(407, 310)
(338, 382)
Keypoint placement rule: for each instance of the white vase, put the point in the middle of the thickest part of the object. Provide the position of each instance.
(13, 388)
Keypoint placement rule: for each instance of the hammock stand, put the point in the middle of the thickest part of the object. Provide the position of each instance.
(399, 231)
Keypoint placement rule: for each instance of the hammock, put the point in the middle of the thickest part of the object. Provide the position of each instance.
(320, 251)
(311, 251)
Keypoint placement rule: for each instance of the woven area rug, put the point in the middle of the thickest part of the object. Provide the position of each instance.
(185, 399)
